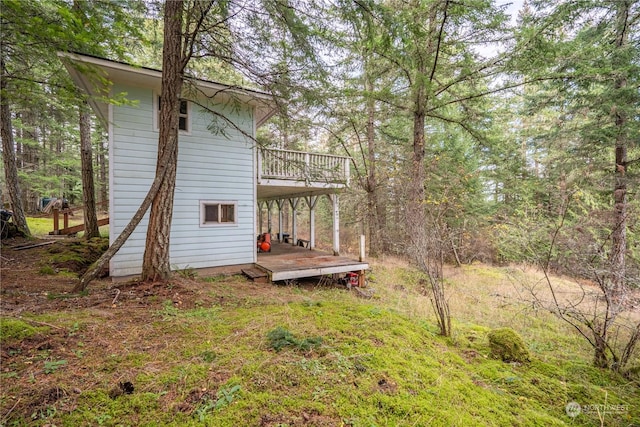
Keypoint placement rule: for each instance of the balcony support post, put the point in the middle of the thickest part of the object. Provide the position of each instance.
(311, 202)
(335, 202)
(294, 220)
(259, 164)
(280, 204)
(269, 212)
(260, 217)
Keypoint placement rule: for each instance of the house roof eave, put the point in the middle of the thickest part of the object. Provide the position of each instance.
(93, 75)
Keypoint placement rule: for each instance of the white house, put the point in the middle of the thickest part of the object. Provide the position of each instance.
(221, 177)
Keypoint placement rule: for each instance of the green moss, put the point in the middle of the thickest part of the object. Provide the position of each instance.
(16, 329)
(377, 366)
(505, 344)
(47, 270)
(76, 255)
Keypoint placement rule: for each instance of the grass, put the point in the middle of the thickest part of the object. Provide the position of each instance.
(377, 363)
(41, 226)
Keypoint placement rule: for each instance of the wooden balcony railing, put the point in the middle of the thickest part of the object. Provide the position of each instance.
(302, 166)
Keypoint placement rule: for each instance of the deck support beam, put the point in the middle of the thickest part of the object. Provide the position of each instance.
(335, 202)
(294, 220)
(311, 202)
(260, 217)
(269, 212)
(280, 204)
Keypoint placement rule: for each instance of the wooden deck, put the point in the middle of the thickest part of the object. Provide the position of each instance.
(286, 262)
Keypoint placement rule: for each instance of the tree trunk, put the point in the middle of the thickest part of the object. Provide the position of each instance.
(104, 179)
(9, 155)
(426, 238)
(375, 231)
(88, 192)
(416, 221)
(600, 358)
(156, 261)
(30, 132)
(619, 234)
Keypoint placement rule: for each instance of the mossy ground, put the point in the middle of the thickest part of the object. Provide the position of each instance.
(197, 352)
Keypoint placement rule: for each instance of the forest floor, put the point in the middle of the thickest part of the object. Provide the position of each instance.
(226, 351)
(40, 280)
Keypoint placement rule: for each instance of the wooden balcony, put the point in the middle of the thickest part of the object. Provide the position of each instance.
(286, 173)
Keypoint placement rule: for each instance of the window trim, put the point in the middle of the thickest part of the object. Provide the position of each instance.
(156, 115)
(204, 203)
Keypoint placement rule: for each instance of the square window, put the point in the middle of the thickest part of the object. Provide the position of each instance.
(213, 213)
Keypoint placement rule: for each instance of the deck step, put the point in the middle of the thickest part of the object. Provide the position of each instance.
(256, 275)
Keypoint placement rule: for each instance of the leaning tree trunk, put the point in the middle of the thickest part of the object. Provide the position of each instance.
(96, 268)
(156, 261)
(88, 191)
(9, 154)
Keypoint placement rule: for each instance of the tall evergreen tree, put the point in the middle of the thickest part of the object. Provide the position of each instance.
(438, 79)
(588, 55)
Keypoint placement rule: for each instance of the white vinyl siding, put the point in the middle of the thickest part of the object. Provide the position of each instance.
(210, 167)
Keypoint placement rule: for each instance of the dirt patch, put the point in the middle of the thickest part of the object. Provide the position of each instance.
(387, 385)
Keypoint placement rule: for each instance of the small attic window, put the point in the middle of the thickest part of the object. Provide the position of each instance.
(183, 120)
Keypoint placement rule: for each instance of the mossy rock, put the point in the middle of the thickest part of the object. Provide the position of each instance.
(507, 345)
(76, 256)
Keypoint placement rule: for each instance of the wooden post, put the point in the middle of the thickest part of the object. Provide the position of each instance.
(311, 201)
(294, 222)
(269, 209)
(280, 237)
(259, 217)
(346, 171)
(56, 222)
(259, 162)
(335, 201)
(65, 219)
(307, 166)
(361, 279)
(362, 248)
